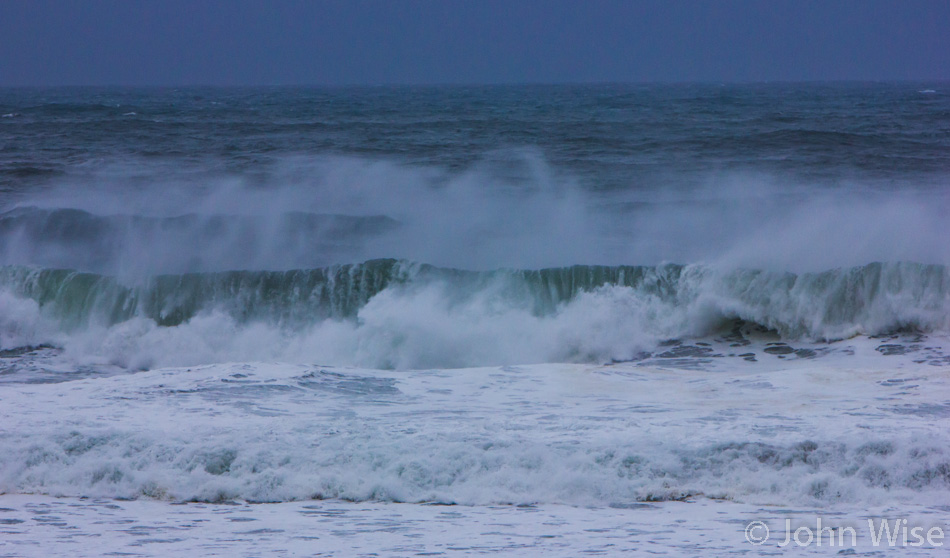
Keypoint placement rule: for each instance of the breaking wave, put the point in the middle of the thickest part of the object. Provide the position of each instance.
(127, 465)
(394, 313)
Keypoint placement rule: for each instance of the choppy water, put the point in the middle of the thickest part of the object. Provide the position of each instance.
(817, 211)
(596, 296)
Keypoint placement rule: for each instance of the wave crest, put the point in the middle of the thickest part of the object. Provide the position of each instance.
(393, 313)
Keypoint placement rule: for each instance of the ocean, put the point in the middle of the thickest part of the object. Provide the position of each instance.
(691, 319)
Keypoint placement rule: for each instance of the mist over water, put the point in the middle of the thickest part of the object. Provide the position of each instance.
(791, 207)
(524, 213)
(544, 295)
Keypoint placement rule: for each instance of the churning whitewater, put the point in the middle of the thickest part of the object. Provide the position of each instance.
(389, 313)
(603, 296)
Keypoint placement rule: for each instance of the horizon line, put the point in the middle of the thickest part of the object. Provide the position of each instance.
(356, 85)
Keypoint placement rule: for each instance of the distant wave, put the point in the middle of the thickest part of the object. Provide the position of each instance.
(74, 238)
(134, 218)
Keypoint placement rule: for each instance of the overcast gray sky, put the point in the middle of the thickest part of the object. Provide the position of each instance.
(272, 42)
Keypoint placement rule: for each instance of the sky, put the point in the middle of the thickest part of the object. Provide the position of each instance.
(374, 42)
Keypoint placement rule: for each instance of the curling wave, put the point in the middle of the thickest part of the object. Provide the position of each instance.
(393, 313)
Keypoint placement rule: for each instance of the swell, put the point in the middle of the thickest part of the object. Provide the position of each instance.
(673, 300)
(80, 240)
(76, 225)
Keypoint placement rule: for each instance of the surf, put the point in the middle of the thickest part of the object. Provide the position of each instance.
(397, 313)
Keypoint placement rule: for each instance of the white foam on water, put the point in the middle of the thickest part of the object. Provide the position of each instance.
(787, 432)
(847, 431)
(489, 319)
(40, 526)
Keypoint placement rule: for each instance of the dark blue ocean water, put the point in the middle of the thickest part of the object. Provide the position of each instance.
(609, 136)
(815, 211)
(589, 295)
